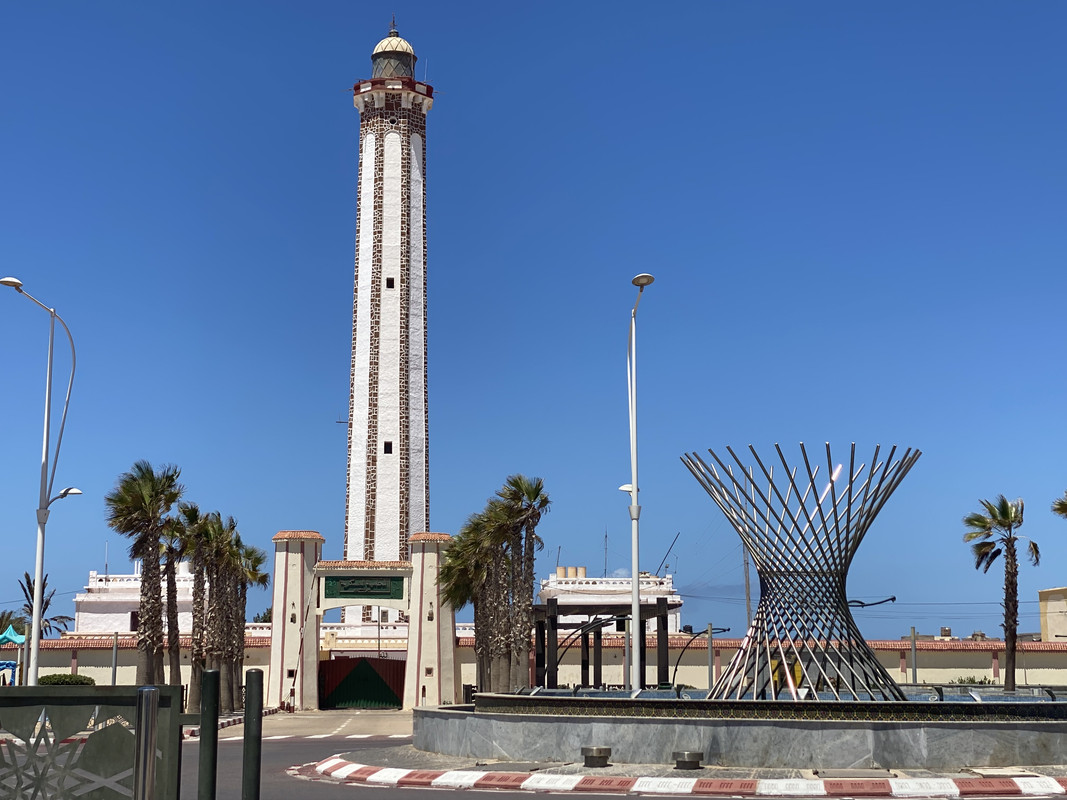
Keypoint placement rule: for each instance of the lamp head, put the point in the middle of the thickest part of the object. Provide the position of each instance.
(642, 280)
(14, 283)
(69, 491)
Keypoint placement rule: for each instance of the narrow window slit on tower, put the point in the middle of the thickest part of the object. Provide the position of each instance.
(390, 282)
(388, 448)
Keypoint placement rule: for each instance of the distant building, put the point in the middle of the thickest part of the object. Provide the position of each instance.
(1052, 604)
(110, 603)
(571, 586)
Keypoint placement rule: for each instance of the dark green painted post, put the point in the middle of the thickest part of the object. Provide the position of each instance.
(207, 777)
(552, 645)
(253, 744)
(663, 674)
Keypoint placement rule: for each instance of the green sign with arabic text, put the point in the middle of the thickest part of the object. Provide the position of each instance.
(365, 587)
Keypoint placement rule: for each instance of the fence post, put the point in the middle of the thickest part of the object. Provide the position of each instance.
(253, 742)
(207, 770)
(144, 765)
(115, 660)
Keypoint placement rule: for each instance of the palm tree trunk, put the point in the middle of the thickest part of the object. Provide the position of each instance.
(150, 617)
(173, 640)
(500, 636)
(515, 679)
(481, 651)
(225, 662)
(239, 643)
(196, 649)
(213, 637)
(1011, 612)
(525, 603)
(145, 666)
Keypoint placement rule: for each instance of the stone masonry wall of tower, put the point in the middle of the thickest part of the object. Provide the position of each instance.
(387, 491)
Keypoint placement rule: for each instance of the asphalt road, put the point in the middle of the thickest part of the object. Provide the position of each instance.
(293, 739)
(280, 755)
(290, 740)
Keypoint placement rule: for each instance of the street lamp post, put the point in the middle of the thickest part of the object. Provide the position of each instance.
(47, 478)
(637, 630)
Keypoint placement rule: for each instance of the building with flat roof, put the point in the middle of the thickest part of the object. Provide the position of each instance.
(571, 586)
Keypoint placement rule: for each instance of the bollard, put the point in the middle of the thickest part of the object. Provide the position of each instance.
(687, 759)
(253, 742)
(596, 756)
(144, 764)
(207, 771)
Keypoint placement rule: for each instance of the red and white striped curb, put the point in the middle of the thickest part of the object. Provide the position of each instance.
(341, 770)
(190, 732)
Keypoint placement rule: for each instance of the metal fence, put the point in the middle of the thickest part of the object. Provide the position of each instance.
(80, 742)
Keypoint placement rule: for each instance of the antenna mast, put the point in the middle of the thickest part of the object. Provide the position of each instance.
(668, 552)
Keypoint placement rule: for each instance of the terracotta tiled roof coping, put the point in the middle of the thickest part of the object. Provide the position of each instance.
(364, 564)
(617, 641)
(430, 537)
(281, 536)
(126, 642)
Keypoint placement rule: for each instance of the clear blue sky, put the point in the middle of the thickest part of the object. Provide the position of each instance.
(854, 213)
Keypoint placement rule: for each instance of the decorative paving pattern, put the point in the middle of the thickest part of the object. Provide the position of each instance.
(844, 711)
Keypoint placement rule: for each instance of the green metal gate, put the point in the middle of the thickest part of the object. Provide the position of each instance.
(361, 683)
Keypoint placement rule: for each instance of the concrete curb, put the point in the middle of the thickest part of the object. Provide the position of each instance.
(190, 733)
(339, 769)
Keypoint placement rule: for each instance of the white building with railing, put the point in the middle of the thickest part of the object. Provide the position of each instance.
(571, 586)
(109, 603)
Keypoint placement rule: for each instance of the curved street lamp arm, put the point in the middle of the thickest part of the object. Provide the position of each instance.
(66, 401)
(692, 639)
(861, 604)
(592, 625)
(70, 383)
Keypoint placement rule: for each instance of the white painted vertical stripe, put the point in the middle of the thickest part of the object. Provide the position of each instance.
(387, 485)
(418, 518)
(357, 456)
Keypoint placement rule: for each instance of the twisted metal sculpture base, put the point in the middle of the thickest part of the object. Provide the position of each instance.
(803, 643)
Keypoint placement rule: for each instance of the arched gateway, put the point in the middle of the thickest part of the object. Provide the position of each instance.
(305, 587)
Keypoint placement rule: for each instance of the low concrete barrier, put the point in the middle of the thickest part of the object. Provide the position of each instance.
(640, 737)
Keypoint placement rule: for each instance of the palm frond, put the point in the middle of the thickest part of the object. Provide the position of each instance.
(1059, 506)
(1034, 552)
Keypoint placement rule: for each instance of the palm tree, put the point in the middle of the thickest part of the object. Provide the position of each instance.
(464, 577)
(195, 533)
(222, 565)
(523, 503)
(1059, 506)
(992, 533)
(49, 625)
(250, 574)
(137, 507)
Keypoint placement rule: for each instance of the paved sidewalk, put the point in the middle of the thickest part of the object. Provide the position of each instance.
(225, 721)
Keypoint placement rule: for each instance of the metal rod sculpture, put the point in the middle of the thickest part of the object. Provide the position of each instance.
(803, 642)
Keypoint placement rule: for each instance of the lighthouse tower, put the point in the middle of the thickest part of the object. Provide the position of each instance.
(388, 464)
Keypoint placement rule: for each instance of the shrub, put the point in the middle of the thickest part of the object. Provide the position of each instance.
(972, 679)
(62, 679)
